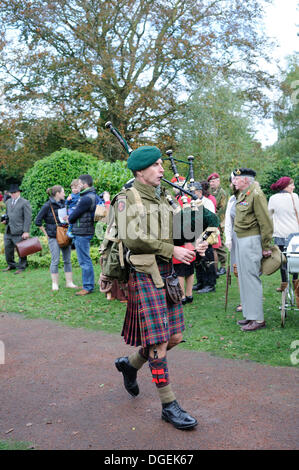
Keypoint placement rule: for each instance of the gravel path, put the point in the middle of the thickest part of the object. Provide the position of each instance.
(60, 390)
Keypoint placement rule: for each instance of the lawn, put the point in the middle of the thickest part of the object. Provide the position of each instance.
(12, 445)
(208, 327)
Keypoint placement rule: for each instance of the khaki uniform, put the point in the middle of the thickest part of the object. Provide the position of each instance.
(252, 216)
(221, 200)
(254, 228)
(145, 228)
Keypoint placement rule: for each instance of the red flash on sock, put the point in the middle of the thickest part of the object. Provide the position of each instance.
(158, 372)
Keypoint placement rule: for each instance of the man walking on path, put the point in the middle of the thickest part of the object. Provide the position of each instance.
(151, 321)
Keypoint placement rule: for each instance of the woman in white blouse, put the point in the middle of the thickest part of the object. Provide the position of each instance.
(284, 209)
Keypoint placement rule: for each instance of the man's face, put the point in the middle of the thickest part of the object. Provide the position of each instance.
(152, 175)
(214, 183)
(15, 195)
(241, 182)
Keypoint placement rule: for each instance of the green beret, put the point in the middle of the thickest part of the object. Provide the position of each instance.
(143, 157)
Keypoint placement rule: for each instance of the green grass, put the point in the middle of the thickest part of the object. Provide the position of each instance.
(208, 327)
(12, 445)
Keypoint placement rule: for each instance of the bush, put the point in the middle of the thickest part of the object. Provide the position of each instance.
(61, 168)
(284, 167)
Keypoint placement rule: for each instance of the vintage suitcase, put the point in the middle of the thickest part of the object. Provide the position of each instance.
(28, 247)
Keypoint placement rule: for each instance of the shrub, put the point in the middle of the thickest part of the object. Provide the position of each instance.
(61, 168)
(283, 167)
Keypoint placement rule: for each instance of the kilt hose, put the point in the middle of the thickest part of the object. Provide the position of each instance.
(150, 319)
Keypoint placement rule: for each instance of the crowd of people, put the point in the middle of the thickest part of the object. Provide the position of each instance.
(153, 321)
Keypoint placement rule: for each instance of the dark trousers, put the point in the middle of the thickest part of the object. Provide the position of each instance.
(205, 268)
(9, 248)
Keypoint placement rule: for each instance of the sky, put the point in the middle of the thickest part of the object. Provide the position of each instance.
(282, 24)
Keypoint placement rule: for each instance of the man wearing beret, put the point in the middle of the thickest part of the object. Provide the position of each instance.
(144, 218)
(254, 229)
(221, 200)
(19, 215)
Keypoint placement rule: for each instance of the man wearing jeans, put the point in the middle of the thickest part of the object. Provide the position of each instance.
(83, 230)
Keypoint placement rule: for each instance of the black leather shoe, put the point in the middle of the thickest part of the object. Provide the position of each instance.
(174, 414)
(206, 289)
(130, 375)
(9, 268)
(189, 299)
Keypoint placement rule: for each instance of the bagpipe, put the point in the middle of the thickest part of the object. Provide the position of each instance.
(192, 221)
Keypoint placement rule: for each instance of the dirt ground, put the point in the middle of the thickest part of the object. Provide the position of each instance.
(61, 390)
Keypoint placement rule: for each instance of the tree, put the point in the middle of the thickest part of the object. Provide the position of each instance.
(128, 61)
(216, 129)
(286, 115)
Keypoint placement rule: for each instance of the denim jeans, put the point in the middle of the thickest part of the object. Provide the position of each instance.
(82, 245)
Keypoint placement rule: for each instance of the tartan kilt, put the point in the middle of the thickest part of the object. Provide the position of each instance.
(150, 319)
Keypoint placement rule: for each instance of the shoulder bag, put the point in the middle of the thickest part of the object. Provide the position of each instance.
(62, 239)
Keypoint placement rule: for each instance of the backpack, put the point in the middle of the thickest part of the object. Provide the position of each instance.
(112, 250)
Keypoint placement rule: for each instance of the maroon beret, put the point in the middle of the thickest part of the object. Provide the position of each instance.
(213, 176)
(280, 184)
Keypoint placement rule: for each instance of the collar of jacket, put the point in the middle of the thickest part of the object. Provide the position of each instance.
(58, 203)
(87, 190)
(246, 192)
(147, 190)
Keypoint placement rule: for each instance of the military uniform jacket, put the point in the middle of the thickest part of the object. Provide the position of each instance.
(252, 215)
(145, 228)
(19, 215)
(221, 200)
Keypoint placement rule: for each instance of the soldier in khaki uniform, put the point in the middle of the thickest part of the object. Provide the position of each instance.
(221, 200)
(254, 228)
(144, 221)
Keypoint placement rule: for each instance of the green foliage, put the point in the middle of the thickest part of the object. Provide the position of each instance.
(61, 168)
(111, 176)
(285, 167)
(216, 129)
(286, 115)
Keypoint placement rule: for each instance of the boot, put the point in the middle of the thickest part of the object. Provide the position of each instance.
(282, 287)
(130, 375)
(69, 280)
(179, 418)
(55, 277)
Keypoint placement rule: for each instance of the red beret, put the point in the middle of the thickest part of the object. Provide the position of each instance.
(213, 176)
(280, 184)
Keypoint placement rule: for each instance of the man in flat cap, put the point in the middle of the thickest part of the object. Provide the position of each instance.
(144, 219)
(221, 199)
(19, 215)
(254, 229)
